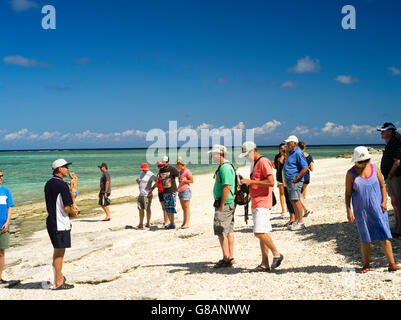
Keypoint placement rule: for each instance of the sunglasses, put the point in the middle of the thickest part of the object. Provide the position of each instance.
(363, 161)
(1, 176)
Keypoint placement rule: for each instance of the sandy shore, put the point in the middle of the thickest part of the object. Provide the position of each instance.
(111, 260)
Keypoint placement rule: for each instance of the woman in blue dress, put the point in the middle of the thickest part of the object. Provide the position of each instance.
(365, 186)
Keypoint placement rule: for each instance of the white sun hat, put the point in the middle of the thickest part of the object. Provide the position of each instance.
(247, 147)
(218, 148)
(59, 163)
(291, 139)
(361, 153)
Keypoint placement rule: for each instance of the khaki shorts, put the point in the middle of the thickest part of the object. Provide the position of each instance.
(224, 220)
(4, 240)
(393, 187)
(144, 202)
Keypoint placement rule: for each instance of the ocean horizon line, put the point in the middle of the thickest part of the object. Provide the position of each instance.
(145, 148)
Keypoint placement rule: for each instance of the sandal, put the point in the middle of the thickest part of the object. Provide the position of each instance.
(64, 286)
(365, 269)
(259, 268)
(393, 267)
(224, 263)
(307, 213)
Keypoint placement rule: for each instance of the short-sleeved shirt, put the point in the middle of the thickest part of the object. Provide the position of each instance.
(294, 164)
(309, 160)
(57, 196)
(279, 167)
(261, 197)
(185, 175)
(105, 177)
(168, 179)
(146, 183)
(6, 201)
(225, 175)
(391, 152)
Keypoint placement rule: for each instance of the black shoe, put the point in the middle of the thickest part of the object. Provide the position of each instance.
(277, 261)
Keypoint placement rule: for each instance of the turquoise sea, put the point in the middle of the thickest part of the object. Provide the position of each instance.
(26, 172)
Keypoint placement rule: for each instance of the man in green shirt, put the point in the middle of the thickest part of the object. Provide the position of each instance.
(223, 192)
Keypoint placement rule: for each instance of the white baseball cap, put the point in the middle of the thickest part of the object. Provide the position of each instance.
(247, 147)
(59, 163)
(291, 139)
(361, 153)
(218, 148)
(165, 159)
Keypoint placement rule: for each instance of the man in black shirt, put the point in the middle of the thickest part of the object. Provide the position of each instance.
(59, 206)
(391, 170)
(168, 175)
(105, 190)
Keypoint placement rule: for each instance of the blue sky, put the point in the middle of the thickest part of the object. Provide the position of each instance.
(111, 71)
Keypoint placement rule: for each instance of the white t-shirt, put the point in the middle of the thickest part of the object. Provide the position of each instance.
(146, 183)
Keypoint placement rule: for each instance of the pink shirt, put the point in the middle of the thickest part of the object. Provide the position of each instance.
(261, 197)
(185, 176)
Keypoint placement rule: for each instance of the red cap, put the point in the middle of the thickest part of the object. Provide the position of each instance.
(144, 166)
(159, 164)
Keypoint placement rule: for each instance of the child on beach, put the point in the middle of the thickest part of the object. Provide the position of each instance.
(365, 186)
(74, 188)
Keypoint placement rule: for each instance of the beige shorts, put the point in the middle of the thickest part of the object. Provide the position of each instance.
(393, 187)
(144, 202)
(224, 221)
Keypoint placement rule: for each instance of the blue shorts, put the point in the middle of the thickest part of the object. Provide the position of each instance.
(185, 195)
(294, 189)
(169, 202)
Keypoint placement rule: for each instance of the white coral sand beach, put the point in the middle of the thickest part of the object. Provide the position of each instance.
(112, 260)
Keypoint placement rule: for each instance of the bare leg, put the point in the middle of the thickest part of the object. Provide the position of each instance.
(266, 243)
(148, 215)
(298, 208)
(303, 196)
(282, 199)
(225, 244)
(365, 249)
(141, 216)
(230, 238)
(166, 220)
(187, 212)
(2, 259)
(107, 211)
(58, 257)
(388, 251)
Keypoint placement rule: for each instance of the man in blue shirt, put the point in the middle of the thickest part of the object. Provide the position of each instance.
(294, 170)
(6, 202)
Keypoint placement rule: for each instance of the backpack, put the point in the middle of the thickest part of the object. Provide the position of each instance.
(241, 192)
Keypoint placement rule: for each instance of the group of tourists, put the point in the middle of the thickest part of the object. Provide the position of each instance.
(367, 187)
(165, 181)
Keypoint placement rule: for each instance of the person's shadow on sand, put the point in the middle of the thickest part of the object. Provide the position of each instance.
(347, 242)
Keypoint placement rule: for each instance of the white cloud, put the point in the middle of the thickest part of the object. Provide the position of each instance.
(346, 79)
(26, 62)
(306, 65)
(288, 84)
(268, 127)
(20, 61)
(394, 71)
(22, 5)
(337, 129)
(300, 130)
(333, 128)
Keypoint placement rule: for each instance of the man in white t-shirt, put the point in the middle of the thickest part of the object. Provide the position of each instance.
(145, 181)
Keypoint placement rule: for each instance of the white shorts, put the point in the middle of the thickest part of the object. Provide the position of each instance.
(261, 220)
